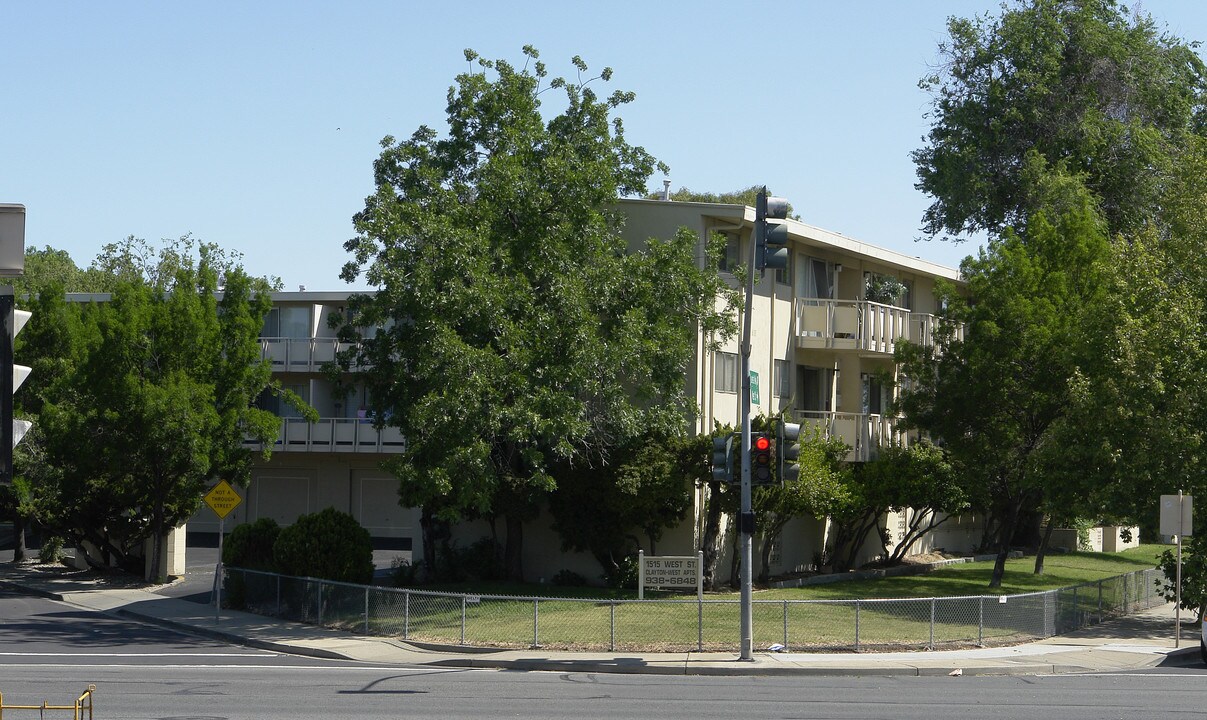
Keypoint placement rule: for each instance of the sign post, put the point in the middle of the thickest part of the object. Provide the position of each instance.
(222, 499)
(1177, 518)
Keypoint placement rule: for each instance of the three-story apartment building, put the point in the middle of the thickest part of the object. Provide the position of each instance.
(820, 347)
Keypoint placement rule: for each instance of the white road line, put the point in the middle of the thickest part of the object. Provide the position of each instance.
(134, 654)
(291, 668)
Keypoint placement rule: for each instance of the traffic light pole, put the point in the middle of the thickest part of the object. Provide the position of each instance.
(746, 515)
(7, 305)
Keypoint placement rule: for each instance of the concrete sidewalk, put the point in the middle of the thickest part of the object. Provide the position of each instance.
(1137, 641)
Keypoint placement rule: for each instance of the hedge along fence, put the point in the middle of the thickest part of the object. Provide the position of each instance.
(504, 621)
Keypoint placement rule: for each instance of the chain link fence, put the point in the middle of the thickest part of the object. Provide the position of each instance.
(679, 625)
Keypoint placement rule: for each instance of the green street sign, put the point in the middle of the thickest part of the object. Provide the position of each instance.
(754, 387)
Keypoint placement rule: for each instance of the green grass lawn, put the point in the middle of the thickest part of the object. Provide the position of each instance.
(954, 580)
(817, 617)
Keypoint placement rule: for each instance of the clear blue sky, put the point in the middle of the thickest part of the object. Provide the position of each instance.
(254, 125)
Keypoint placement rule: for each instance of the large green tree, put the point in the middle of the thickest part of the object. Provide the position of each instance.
(1085, 83)
(517, 330)
(146, 399)
(1058, 125)
(918, 479)
(997, 396)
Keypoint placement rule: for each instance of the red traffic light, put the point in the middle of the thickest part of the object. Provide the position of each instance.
(762, 444)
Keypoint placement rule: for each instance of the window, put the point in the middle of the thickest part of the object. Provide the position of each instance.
(727, 372)
(295, 322)
(816, 279)
(876, 396)
(887, 290)
(817, 389)
(272, 324)
(733, 252)
(783, 378)
(783, 276)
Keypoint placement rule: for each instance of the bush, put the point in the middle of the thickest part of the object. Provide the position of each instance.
(569, 578)
(250, 546)
(1194, 574)
(329, 545)
(51, 550)
(623, 575)
(404, 573)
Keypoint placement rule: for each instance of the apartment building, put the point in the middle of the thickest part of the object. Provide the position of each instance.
(820, 346)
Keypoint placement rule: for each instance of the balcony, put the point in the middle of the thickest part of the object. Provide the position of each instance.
(865, 433)
(860, 325)
(334, 435)
(922, 327)
(300, 354)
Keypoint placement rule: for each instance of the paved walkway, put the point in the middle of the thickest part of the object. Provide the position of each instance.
(1138, 641)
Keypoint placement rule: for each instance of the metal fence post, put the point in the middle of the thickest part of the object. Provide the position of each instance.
(366, 609)
(932, 623)
(980, 622)
(612, 629)
(856, 626)
(536, 622)
(1099, 601)
(318, 586)
(1076, 610)
(785, 624)
(278, 595)
(406, 614)
(463, 619)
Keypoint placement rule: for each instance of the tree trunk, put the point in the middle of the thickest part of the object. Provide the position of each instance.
(769, 537)
(513, 566)
(426, 532)
(19, 553)
(735, 566)
(712, 529)
(155, 570)
(1042, 550)
(1005, 535)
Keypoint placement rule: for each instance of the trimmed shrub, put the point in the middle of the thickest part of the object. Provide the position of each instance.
(329, 545)
(250, 545)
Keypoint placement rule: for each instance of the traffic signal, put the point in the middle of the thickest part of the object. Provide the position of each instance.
(722, 458)
(787, 451)
(771, 238)
(12, 375)
(760, 459)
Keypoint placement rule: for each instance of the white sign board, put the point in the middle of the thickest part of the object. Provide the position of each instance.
(1174, 522)
(673, 572)
(12, 239)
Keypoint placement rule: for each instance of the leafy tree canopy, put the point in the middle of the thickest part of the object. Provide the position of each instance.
(1082, 83)
(747, 196)
(516, 332)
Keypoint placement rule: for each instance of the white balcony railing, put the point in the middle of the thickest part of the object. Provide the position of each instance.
(850, 325)
(335, 435)
(922, 327)
(864, 433)
(300, 354)
(861, 325)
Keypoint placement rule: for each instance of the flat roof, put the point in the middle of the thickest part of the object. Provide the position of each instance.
(813, 235)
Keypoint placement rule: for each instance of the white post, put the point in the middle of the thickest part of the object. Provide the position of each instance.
(641, 574)
(1177, 608)
(218, 575)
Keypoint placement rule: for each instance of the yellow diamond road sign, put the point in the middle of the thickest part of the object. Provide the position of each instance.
(222, 498)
